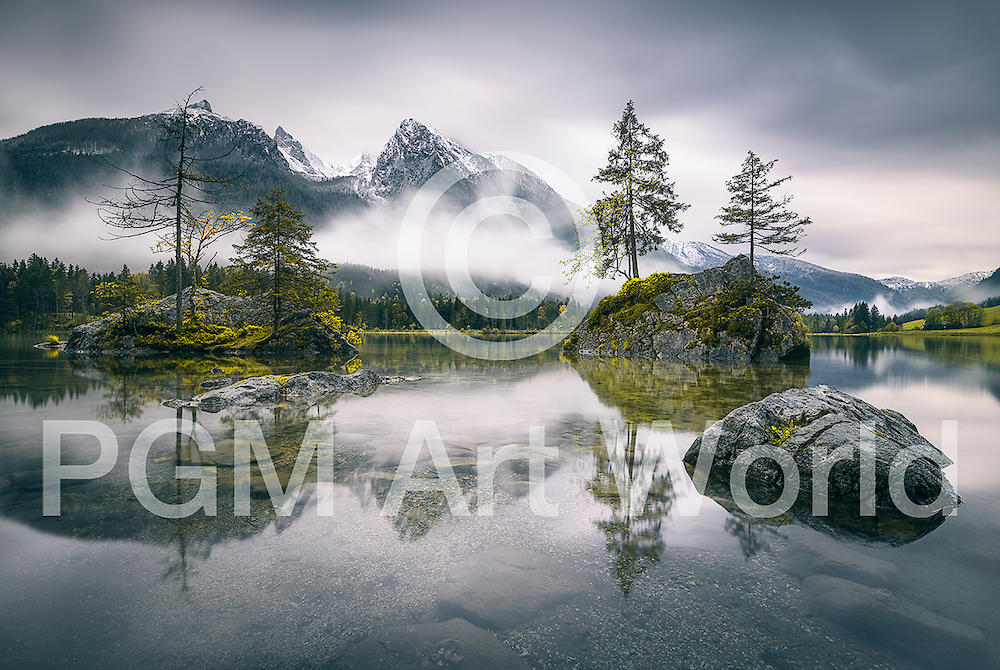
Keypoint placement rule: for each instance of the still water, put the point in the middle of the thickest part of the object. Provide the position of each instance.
(676, 581)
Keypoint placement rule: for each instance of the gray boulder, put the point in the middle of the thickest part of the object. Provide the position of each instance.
(216, 383)
(804, 422)
(304, 388)
(690, 317)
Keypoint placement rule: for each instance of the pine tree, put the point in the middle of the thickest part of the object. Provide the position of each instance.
(766, 222)
(631, 219)
(279, 251)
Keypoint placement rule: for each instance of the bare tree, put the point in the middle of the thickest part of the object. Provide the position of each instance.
(158, 204)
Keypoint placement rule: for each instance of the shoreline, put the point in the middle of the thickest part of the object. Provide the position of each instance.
(914, 333)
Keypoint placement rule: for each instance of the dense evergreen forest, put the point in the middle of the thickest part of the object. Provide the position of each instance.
(38, 294)
(862, 318)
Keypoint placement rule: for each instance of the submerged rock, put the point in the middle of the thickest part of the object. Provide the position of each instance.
(809, 424)
(303, 388)
(506, 587)
(728, 313)
(447, 644)
(887, 619)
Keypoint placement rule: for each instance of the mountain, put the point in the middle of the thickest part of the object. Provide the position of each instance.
(829, 290)
(66, 162)
(414, 153)
(695, 255)
(302, 160)
(63, 163)
(988, 287)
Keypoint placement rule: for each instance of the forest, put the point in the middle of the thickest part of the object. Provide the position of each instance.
(38, 294)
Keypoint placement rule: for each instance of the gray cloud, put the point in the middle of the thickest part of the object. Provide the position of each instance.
(901, 93)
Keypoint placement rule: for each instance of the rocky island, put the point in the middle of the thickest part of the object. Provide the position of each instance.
(729, 313)
(223, 325)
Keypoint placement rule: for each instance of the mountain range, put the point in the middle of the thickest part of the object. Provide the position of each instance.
(833, 290)
(64, 162)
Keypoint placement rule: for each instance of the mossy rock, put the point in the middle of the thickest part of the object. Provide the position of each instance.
(729, 313)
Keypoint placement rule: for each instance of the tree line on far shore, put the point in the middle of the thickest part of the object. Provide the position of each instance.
(41, 294)
(862, 318)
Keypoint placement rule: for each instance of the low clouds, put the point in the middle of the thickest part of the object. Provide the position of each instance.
(884, 112)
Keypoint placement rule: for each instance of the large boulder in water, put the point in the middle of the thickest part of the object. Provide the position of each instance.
(729, 313)
(305, 388)
(809, 425)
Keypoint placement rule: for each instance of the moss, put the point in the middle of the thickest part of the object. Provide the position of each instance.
(195, 336)
(744, 308)
(572, 342)
(633, 300)
(782, 432)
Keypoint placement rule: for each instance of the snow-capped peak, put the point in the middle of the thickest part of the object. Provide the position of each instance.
(201, 104)
(359, 167)
(696, 255)
(967, 279)
(302, 160)
(899, 283)
(414, 154)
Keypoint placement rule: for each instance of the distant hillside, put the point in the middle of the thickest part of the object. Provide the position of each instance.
(830, 290)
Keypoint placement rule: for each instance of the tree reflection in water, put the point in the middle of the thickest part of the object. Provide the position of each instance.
(639, 497)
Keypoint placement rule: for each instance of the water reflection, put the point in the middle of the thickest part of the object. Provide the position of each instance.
(628, 480)
(844, 521)
(686, 394)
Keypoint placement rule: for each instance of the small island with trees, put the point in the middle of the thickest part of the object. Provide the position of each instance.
(729, 313)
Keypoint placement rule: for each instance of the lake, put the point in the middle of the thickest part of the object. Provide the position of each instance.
(677, 580)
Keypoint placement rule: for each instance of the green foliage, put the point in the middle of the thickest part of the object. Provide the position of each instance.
(198, 336)
(279, 250)
(961, 315)
(123, 296)
(761, 219)
(334, 322)
(782, 432)
(634, 299)
(744, 308)
(632, 217)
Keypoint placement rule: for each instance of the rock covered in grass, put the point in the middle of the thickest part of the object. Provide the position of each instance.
(819, 420)
(728, 313)
(303, 334)
(303, 388)
(225, 324)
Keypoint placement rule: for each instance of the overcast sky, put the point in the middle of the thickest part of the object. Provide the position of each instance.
(886, 113)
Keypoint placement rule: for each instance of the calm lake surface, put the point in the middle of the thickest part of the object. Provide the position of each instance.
(604, 584)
